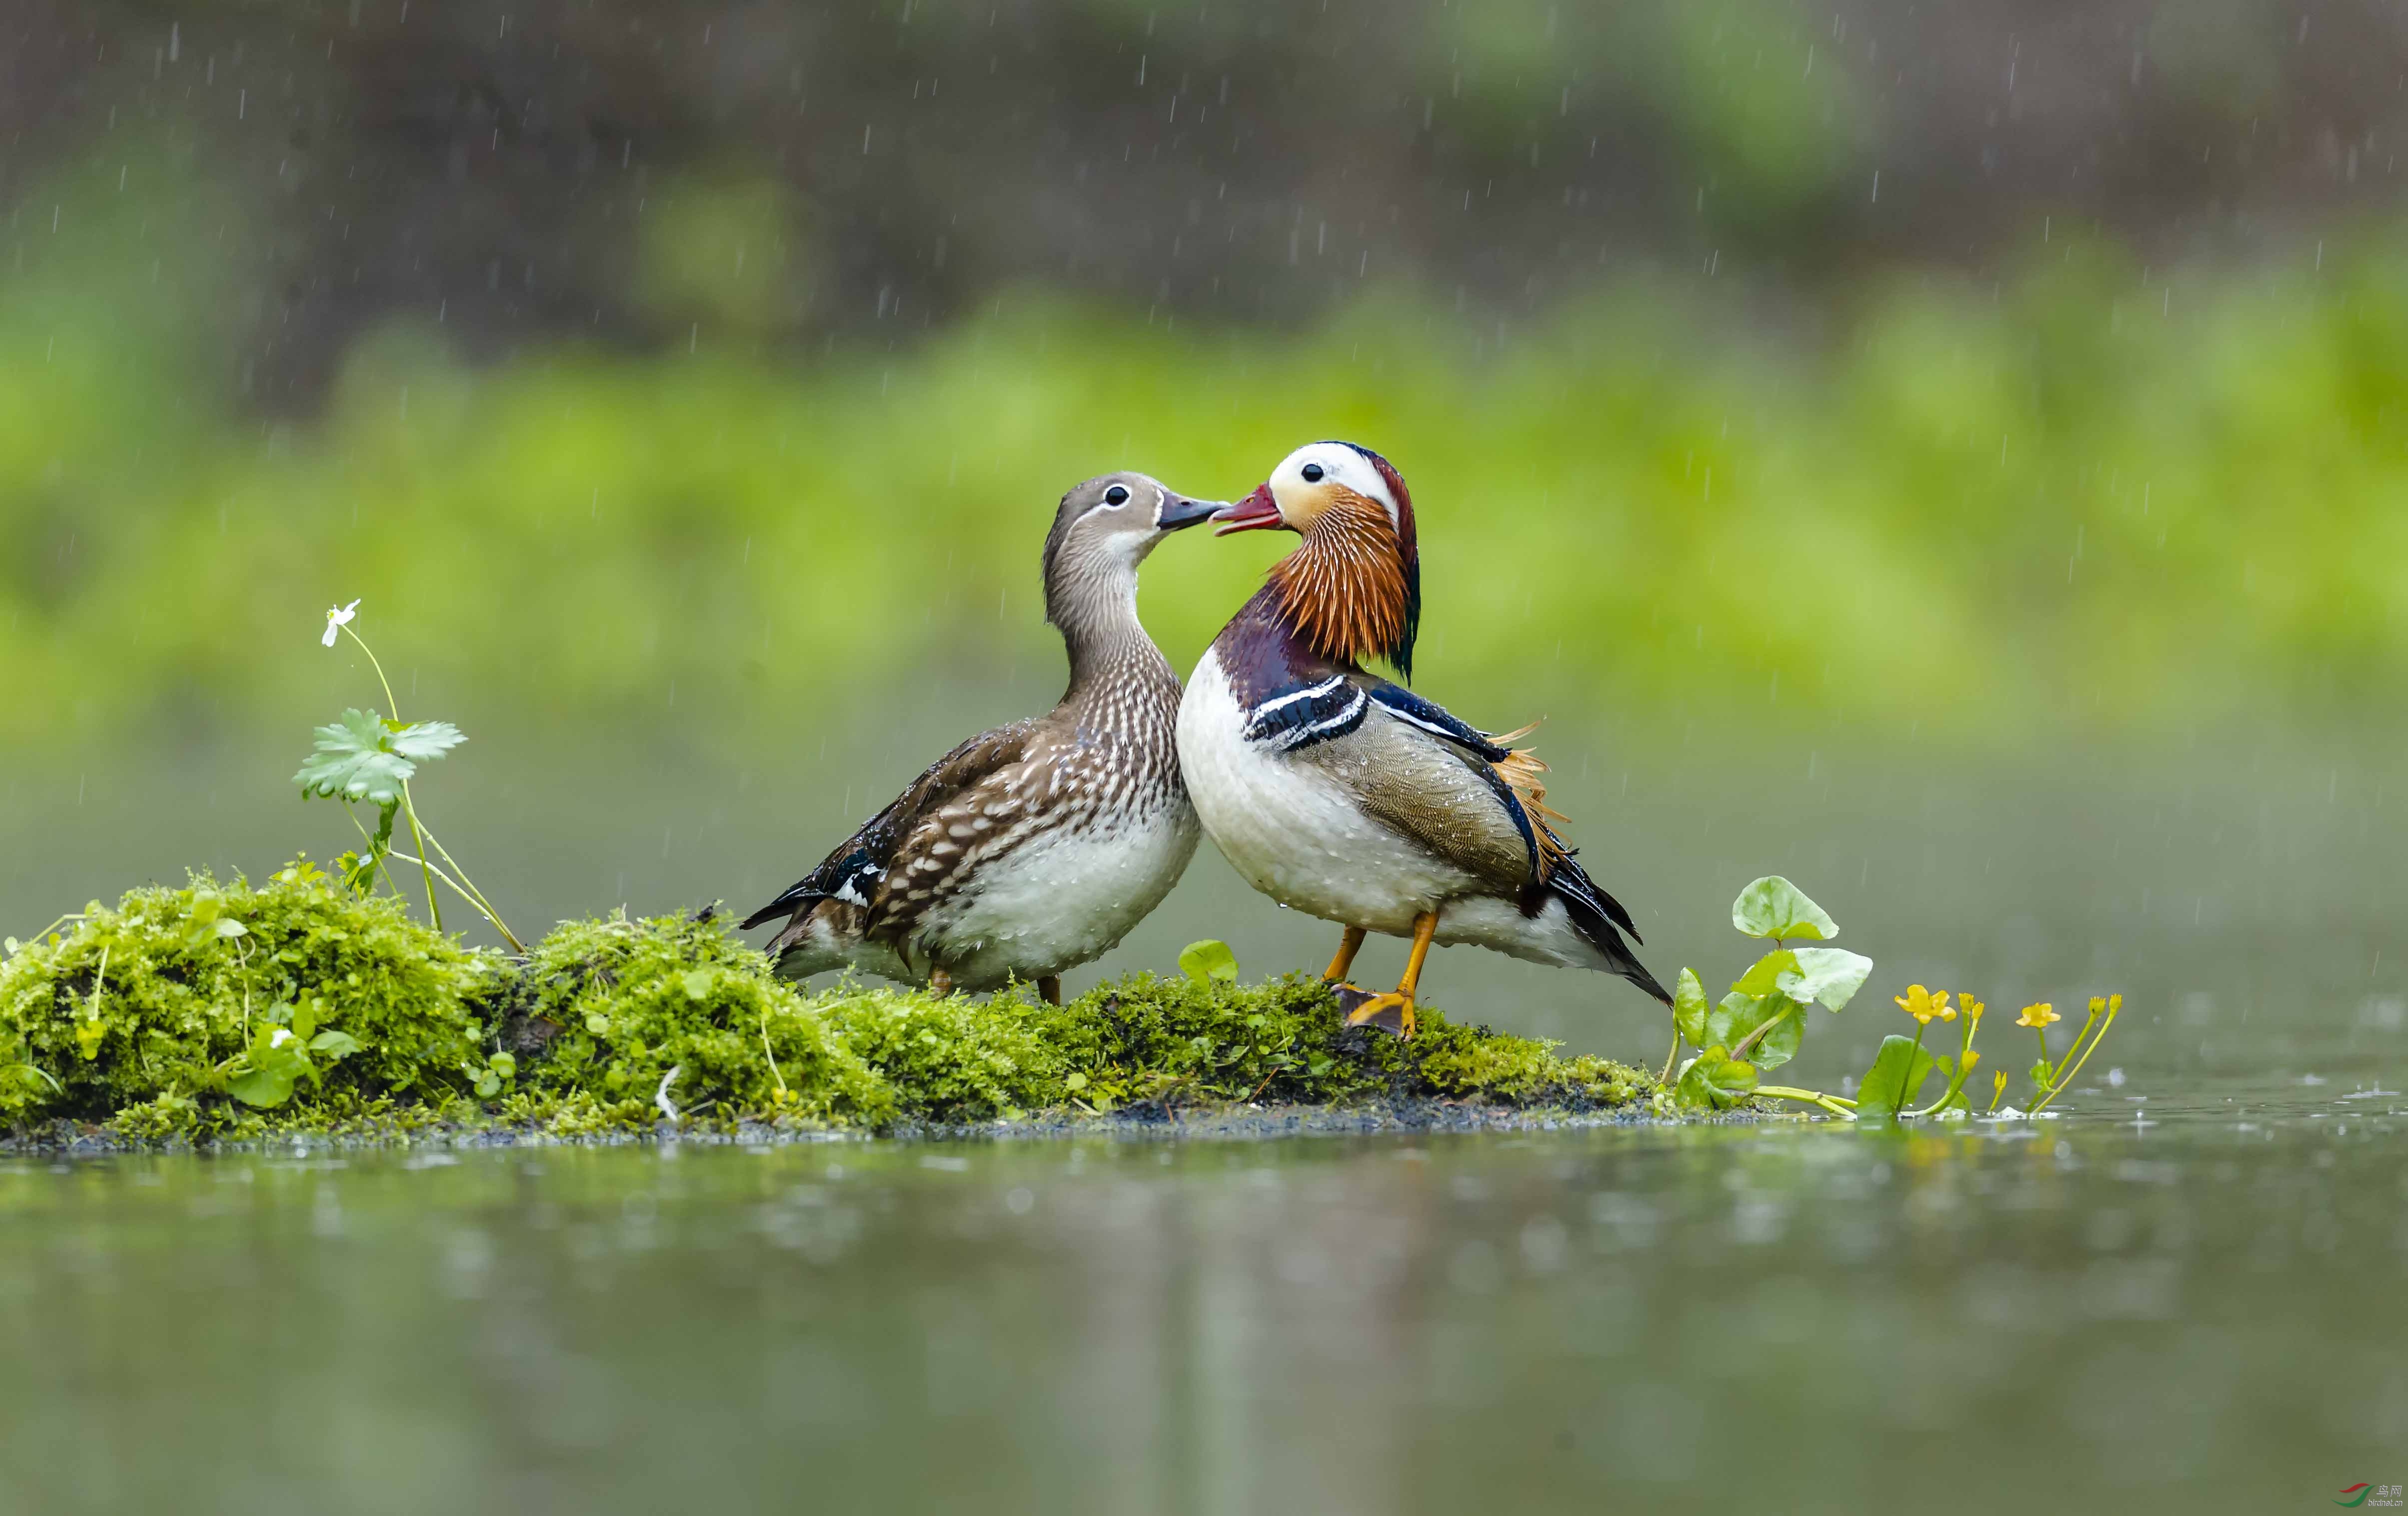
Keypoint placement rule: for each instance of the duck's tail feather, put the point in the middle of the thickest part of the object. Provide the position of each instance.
(1601, 919)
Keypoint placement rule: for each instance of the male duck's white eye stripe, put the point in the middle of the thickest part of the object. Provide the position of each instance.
(1313, 693)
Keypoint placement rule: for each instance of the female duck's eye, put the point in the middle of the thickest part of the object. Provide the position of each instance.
(1312, 473)
(1116, 495)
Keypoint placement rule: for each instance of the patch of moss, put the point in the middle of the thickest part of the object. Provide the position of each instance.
(166, 1017)
(952, 1059)
(1165, 1041)
(604, 1010)
(150, 1012)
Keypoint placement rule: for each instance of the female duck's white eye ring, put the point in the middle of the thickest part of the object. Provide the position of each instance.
(1311, 473)
(1117, 495)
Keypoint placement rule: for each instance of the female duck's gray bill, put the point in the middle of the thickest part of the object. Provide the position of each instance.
(1178, 511)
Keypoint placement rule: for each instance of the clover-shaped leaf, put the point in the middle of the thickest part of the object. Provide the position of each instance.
(1774, 907)
(362, 756)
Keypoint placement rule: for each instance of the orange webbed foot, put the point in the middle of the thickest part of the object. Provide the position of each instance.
(1392, 1013)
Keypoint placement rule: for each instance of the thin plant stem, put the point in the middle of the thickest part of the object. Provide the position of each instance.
(476, 894)
(767, 1053)
(2077, 1067)
(393, 710)
(1964, 1069)
(457, 887)
(1829, 1103)
(1672, 1058)
(393, 706)
(71, 916)
(1757, 1035)
(426, 868)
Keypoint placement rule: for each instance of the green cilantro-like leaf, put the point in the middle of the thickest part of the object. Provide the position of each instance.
(362, 756)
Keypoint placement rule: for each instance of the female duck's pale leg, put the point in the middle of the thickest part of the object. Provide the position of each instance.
(1049, 988)
(1392, 1012)
(1348, 947)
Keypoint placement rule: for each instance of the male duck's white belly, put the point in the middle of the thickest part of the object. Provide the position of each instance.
(1062, 899)
(1291, 831)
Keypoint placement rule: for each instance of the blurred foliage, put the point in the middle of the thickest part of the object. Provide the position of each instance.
(636, 172)
(2089, 492)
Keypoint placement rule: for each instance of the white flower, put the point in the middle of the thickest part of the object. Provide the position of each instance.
(281, 1035)
(338, 618)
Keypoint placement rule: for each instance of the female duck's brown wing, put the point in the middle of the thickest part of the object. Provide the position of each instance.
(860, 875)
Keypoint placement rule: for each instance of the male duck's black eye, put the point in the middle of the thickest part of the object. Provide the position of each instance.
(1116, 495)
(1312, 473)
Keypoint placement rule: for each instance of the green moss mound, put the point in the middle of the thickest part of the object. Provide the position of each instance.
(180, 1008)
(603, 1011)
(232, 1011)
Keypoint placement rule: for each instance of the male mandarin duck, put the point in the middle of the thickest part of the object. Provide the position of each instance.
(1351, 798)
(1034, 847)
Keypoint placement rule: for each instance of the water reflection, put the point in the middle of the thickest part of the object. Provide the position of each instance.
(1780, 1318)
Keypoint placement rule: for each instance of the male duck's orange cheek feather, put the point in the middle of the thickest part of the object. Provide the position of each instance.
(1347, 590)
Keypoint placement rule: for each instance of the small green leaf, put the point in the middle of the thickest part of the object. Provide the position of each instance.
(335, 1044)
(1734, 1018)
(698, 984)
(1766, 973)
(1774, 907)
(1074, 1082)
(505, 1064)
(489, 1084)
(303, 1020)
(1899, 1069)
(1209, 960)
(1713, 1080)
(1690, 1007)
(1780, 1044)
(2041, 1073)
(597, 1023)
(1827, 976)
(265, 1089)
(422, 742)
(354, 760)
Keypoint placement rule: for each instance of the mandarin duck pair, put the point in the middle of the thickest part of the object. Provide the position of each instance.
(1037, 847)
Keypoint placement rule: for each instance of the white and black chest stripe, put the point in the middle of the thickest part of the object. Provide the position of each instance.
(1297, 719)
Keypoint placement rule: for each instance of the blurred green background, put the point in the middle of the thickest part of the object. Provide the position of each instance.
(1803, 405)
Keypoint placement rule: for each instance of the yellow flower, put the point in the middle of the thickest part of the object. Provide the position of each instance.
(2038, 1016)
(1922, 1004)
(1973, 1008)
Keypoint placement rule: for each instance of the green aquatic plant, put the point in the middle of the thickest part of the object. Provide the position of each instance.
(1762, 1022)
(364, 756)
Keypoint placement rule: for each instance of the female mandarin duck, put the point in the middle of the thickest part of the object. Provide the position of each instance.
(1034, 847)
(1351, 798)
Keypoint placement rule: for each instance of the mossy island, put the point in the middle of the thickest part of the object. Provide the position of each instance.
(228, 1012)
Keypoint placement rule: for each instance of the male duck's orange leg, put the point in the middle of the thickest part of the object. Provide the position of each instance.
(1392, 1012)
(940, 982)
(1348, 947)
